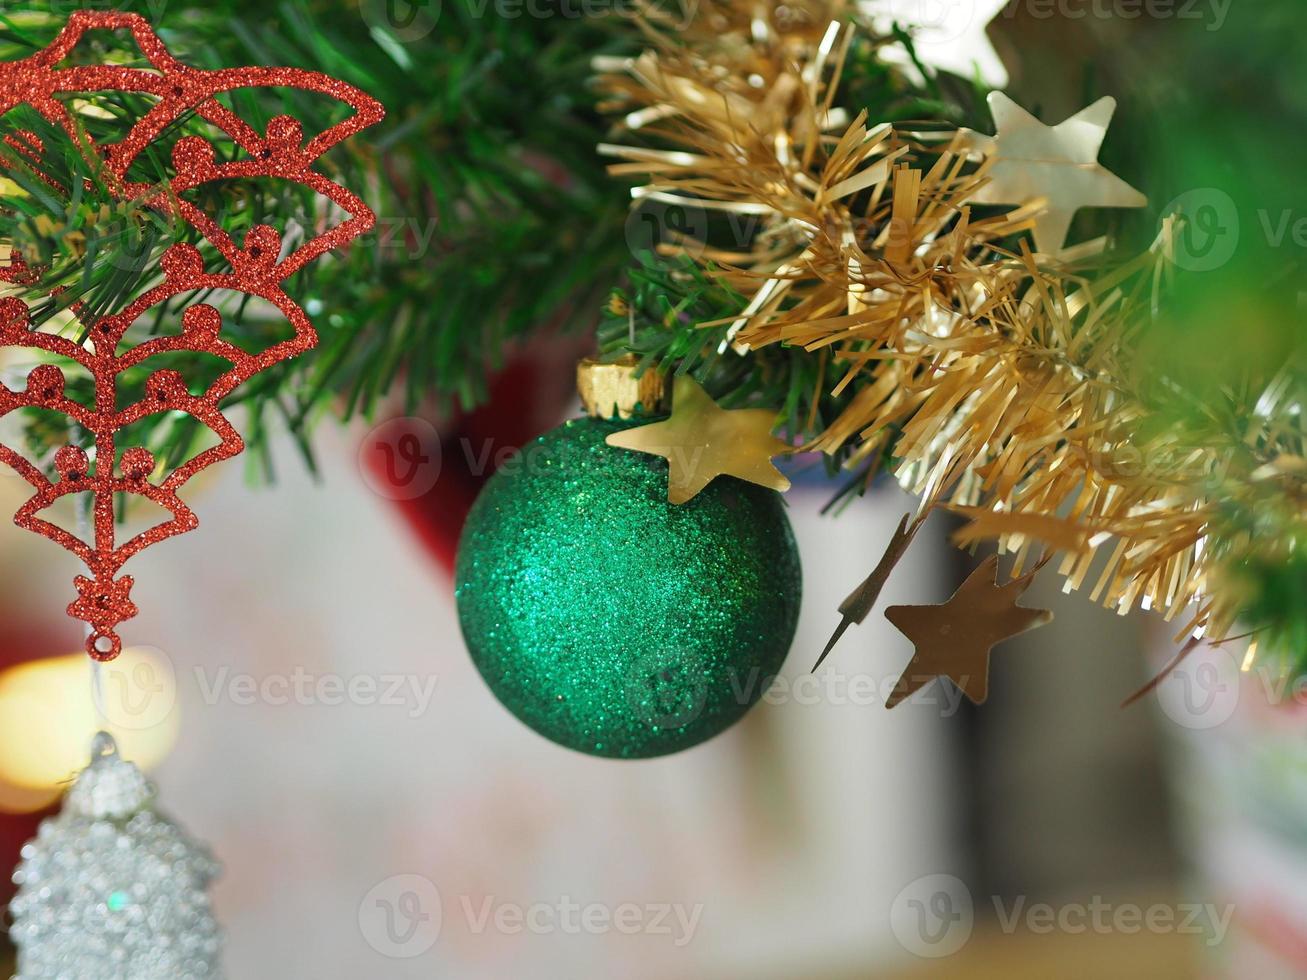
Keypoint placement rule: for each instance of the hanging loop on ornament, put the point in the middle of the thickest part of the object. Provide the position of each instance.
(618, 389)
(110, 787)
(103, 746)
(104, 646)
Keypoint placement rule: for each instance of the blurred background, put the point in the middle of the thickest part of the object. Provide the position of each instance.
(785, 843)
(308, 708)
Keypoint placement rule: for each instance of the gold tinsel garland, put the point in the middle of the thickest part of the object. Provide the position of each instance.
(1004, 378)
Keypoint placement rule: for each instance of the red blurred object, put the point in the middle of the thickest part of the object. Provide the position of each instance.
(526, 399)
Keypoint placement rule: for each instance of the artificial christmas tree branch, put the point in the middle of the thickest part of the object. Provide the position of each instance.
(1025, 388)
(493, 211)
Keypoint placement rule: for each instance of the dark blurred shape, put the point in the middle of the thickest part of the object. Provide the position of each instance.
(526, 399)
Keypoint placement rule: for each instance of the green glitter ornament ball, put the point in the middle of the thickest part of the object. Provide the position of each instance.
(614, 622)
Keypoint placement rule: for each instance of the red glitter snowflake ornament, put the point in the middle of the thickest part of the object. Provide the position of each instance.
(255, 267)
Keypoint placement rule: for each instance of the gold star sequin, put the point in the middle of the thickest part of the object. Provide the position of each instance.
(954, 640)
(702, 441)
(1058, 163)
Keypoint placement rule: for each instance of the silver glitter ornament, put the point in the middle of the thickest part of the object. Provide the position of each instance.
(111, 890)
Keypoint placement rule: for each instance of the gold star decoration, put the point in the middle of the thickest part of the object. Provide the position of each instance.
(702, 441)
(954, 640)
(1058, 163)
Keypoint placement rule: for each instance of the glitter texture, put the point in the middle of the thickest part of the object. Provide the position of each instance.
(612, 621)
(257, 267)
(111, 890)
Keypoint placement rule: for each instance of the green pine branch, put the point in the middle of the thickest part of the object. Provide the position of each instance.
(494, 213)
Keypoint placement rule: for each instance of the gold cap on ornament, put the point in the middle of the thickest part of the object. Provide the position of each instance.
(611, 388)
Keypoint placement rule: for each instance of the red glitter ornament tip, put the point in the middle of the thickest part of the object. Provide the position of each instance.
(257, 268)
